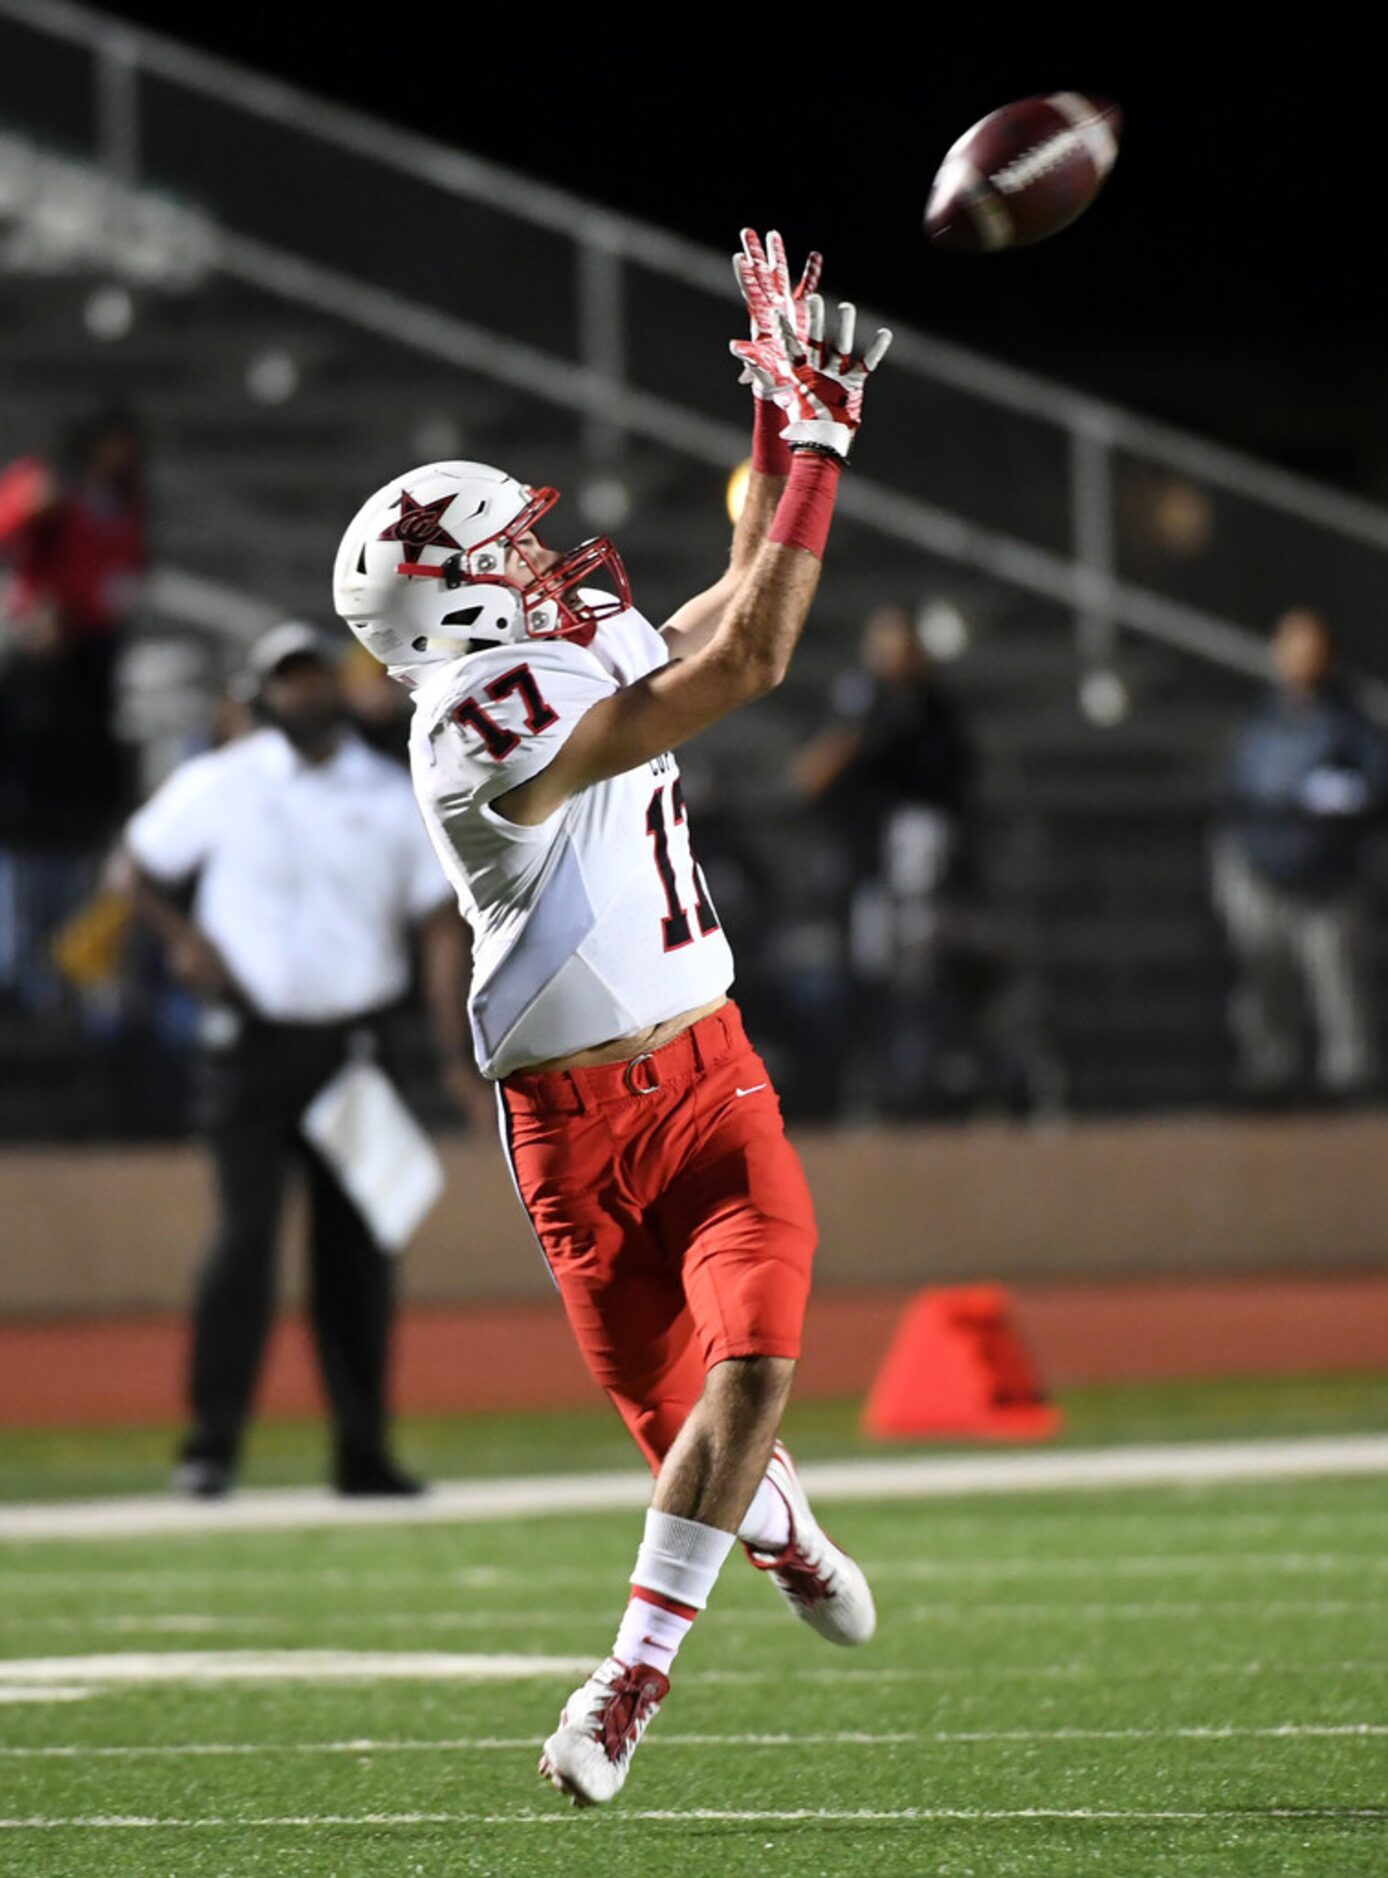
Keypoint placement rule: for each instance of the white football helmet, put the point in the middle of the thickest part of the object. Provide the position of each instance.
(421, 579)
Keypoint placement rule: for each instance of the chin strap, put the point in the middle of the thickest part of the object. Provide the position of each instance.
(450, 572)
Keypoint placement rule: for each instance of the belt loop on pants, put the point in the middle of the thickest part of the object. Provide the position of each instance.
(580, 1107)
(711, 1040)
(638, 1080)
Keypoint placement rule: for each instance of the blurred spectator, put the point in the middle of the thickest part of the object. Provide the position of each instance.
(77, 546)
(233, 717)
(74, 539)
(1305, 782)
(380, 709)
(894, 771)
(310, 866)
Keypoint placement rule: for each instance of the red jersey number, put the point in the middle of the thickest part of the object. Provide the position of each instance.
(675, 929)
(497, 740)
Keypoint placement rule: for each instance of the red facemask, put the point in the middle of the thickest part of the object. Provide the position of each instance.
(575, 618)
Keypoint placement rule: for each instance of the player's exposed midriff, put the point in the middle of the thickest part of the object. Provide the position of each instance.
(620, 1049)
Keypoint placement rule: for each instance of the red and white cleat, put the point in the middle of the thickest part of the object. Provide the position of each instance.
(823, 1586)
(588, 1754)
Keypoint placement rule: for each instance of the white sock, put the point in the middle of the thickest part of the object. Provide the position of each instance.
(766, 1523)
(652, 1633)
(680, 1558)
(676, 1569)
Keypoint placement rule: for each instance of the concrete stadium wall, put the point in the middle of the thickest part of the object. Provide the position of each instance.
(96, 1230)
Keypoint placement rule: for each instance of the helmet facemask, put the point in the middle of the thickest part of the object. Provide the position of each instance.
(550, 607)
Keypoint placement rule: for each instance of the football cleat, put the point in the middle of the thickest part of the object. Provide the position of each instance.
(823, 1586)
(601, 1726)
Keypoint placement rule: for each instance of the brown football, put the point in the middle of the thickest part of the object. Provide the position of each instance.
(1023, 172)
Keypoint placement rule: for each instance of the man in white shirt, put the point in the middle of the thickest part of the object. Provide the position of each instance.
(642, 1130)
(311, 873)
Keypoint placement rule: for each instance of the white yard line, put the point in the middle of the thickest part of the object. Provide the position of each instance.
(911, 1477)
(489, 1577)
(487, 1744)
(415, 1623)
(866, 1816)
(307, 1666)
(11, 1693)
(298, 1509)
(1097, 1670)
(156, 1624)
(209, 1623)
(355, 1623)
(1216, 1732)
(1145, 1565)
(962, 1611)
(199, 1668)
(412, 1623)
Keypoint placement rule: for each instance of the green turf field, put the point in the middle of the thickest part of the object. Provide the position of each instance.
(1164, 1682)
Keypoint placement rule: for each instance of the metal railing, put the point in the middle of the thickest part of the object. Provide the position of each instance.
(140, 134)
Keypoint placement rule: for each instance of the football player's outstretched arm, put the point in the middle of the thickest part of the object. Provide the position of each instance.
(751, 647)
(763, 279)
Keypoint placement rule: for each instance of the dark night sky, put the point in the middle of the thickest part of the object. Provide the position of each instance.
(1227, 278)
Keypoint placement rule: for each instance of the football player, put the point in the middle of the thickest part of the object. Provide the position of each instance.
(641, 1128)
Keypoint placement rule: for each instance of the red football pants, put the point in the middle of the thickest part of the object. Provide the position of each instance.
(672, 1211)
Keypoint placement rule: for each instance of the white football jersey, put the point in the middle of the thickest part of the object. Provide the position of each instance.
(596, 923)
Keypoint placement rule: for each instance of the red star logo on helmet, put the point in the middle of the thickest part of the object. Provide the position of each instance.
(419, 526)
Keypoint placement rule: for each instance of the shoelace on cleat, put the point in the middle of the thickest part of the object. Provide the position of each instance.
(616, 1726)
(805, 1582)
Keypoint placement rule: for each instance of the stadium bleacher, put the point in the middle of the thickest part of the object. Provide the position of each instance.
(282, 373)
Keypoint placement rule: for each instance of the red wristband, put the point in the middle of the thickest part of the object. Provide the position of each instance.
(806, 507)
(770, 451)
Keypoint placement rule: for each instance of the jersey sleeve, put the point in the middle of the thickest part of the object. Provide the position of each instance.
(508, 716)
(628, 646)
(172, 835)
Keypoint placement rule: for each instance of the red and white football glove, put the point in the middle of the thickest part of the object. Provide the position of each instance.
(824, 397)
(763, 278)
